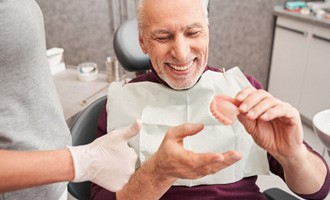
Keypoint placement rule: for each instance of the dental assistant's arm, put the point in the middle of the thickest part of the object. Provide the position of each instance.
(171, 162)
(107, 161)
(276, 127)
(26, 169)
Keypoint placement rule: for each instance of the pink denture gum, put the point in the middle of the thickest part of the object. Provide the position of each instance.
(224, 109)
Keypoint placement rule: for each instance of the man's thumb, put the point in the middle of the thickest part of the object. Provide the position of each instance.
(187, 129)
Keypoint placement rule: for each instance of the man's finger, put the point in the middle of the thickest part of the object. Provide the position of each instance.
(231, 157)
(184, 130)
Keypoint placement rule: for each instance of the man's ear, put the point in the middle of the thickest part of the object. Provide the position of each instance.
(143, 47)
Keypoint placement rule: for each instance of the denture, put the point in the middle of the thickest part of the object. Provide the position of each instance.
(224, 109)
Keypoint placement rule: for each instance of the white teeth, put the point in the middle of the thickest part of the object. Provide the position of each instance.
(181, 68)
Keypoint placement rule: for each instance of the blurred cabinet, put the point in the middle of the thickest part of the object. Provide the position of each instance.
(300, 67)
(316, 86)
(290, 51)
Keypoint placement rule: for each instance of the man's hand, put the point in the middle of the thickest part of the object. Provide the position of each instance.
(172, 160)
(273, 124)
(276, 127)
(108, 161)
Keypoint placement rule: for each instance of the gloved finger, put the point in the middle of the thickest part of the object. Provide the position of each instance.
(131, 131)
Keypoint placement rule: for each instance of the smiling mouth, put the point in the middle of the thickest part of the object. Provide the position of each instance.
(181, 67)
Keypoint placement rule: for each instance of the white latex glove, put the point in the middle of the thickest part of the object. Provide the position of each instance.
(108, 161)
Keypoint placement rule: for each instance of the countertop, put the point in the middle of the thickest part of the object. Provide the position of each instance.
(76, 95)
(280, 11)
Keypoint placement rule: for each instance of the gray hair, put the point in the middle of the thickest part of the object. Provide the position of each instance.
(139, 13)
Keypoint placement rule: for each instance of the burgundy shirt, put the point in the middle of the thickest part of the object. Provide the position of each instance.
(246, 188)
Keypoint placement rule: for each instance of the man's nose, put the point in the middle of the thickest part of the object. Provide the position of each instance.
(181, 48)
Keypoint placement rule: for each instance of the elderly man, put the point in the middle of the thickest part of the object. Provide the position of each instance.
(216, 161)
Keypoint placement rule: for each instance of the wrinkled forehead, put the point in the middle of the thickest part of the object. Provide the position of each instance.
(173, 13)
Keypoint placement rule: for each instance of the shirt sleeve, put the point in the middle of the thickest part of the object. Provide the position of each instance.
(277, 169)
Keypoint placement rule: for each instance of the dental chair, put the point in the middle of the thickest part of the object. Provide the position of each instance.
(127, 48)
(130, 56)
(83, 131)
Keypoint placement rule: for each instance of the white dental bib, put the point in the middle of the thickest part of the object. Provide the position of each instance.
(160, 107)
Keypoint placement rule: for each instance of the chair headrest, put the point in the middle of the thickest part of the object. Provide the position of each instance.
(127, 48)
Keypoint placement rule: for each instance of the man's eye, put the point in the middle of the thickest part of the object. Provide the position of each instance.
(163, 39)
(192, 34)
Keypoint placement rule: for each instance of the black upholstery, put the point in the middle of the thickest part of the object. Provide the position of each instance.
(278, 194)
(83, 132)
(127, 48)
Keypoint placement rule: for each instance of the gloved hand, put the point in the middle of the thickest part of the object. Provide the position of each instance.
(108, 161)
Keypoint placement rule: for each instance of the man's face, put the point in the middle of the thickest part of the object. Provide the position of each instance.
(176, 36)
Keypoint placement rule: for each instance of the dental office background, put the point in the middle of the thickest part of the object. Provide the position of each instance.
(242, 34)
